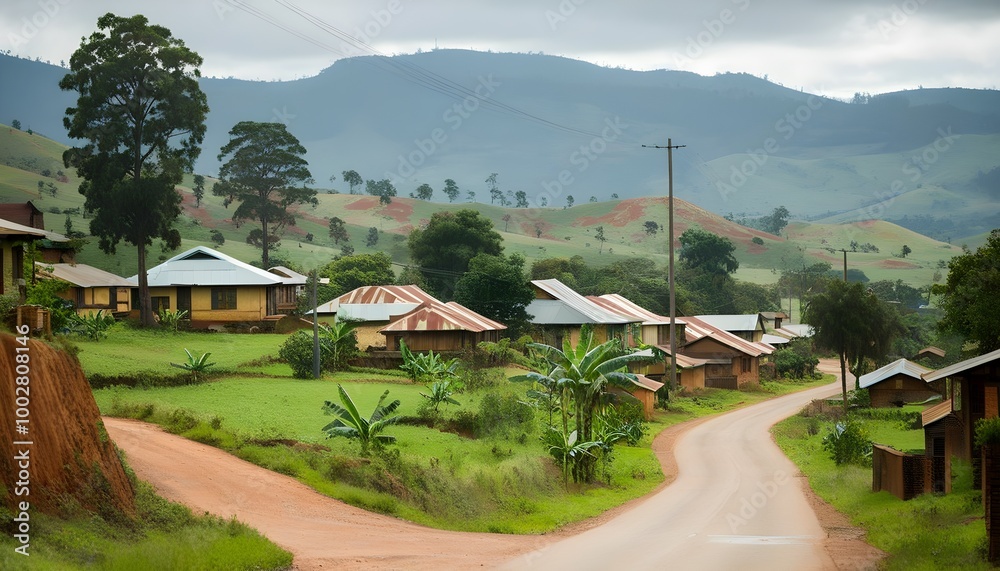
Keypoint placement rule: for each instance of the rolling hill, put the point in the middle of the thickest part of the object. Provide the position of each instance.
(751, 145)
(536, 233)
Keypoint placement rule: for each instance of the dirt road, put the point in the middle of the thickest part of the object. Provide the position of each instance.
(737, 503)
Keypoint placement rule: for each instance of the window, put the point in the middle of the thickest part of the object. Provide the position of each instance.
(223, 298)
(160, 303)
(745, 365)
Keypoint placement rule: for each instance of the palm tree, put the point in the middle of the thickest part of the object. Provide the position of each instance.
(350, 424)
(581, 375)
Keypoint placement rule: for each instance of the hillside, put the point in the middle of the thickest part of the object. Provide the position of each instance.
(750, 144)
(536, 233)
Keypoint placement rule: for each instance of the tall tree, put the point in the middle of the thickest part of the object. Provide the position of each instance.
(569, 201)
(424, 192)
(600, 237)
(444, 247)
(383, 189)
(372, 239)
(266, 173)
(495, 192)
(969, 295)
(520, 199)
(855, 324)
(198, 190)
(352, 178)
(710, 252)
(142, 117)
(451, 189)
(651, 227)
(496, 287)
(338, 231)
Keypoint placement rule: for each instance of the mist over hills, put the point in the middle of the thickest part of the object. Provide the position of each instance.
(553, 127)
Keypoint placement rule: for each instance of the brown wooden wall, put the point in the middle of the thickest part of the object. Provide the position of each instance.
(900, 388)
(902, 475)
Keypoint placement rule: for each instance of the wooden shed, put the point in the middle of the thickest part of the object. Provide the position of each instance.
(898, 383)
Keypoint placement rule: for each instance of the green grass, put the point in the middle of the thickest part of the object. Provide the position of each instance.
(163, 536)
(927, 532)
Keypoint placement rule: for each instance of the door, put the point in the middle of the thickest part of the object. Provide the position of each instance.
(184, 300)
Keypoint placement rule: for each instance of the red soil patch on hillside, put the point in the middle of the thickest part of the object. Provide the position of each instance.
(624, 212)
(363, 203)
(199, 214)
(399, 210)
(897, 265)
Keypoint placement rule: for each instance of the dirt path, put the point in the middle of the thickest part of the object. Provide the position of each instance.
(324, 533)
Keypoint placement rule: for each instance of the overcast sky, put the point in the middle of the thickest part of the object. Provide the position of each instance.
(833, 48)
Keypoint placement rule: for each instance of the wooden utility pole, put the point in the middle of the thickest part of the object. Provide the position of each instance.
(670, 266)
(845, 264)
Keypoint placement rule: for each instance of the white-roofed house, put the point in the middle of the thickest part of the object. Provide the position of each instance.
(750, 326)
(216, 289)
(897, 383)
(558, 312)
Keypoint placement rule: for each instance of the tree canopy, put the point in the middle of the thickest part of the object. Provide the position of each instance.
(264, 172)
(856, 324)
(450, 189)
(969, 295)
(496, 287)
(383, 189)
(707, 251)
(444, 247)
(347, 273)
(352, 178)
(141, 114)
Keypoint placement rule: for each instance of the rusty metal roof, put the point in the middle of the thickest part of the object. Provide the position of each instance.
(386, 294)
(697, 329)
(623, 306)
(437, 316)
(82, 275)
(962, 366)
(683, 361)
(935, 413)
(645, 382)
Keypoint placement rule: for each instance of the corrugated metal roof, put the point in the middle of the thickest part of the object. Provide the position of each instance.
(683, 361)
(935, 413)
(8, 228)
(962, 366)
(773, 339)
(437, 316)
(291, 277)
(697, 329)
(82, 275)
(387, 294)
(202, 266)
(897, 367)
(373, 311)
(623, 306)
(749, 322)
(931, 350)
(798, 329)
(645, 382)
(585, 310)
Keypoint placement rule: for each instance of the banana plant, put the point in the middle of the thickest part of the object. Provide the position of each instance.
(194, 365)
(351, 424)
(440, 393)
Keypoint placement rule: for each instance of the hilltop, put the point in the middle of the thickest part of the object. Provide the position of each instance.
(925, 158)
(536, 233)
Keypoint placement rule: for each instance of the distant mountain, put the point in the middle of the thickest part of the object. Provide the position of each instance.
(751, 145)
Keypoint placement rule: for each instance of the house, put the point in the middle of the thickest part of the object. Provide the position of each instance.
(91, 289)
(372, 308)
(972, 387)
(732, 361)
(774, 318)
(897, 383)
(749, 327)
(559, 313)
(437, 326)
(643, 389)
(12, 239)
(216, 289)
(53, 248)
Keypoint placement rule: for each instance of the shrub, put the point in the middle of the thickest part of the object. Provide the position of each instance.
(987, 431)
(489, 355)
(93, 326)
(503, 415)
(625, 418)
(297, 351)
(427, 367)
(476, 380)
(171, 319)
(796, 361)
(859, 398)
(848, 443)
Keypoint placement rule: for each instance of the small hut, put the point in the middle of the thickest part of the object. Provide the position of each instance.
(897, 383)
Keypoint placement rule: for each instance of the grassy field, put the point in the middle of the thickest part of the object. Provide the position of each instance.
(926, 533)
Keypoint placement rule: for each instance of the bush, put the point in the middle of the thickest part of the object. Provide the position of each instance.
(503, 415)
(627, 419)
(848, 443)
(987, 431)
(907, 419)
(477, 380)
(297, 351)
(859, 398)
(490, 355)
(795, 361)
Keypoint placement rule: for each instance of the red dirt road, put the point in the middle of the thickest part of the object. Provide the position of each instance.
(324, 533)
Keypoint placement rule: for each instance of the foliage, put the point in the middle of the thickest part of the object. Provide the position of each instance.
(625, 418)
(423, 192)
(198, 190)
(853, 323)
(265, 172)
(94, 326)
(347, 273)
(297, 351)
(451, 189)
(444, 247)
(141, 114)
(496, 288)
(353, 179)
(427, 367)
(898, 292)
(711, 252)
(488, 354)
(383, 189)
(351, 424)
(988, 431)
(502, 416)
(796, 360)
(8, 303)
(372, 239)
(171, 319)
(968, 295)
(337, 343)
(651, 227)
(45, 292)
(338, 231)
(195, 365)
(848, 443)
(440, 393)
(217, 238)
(566, 449)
